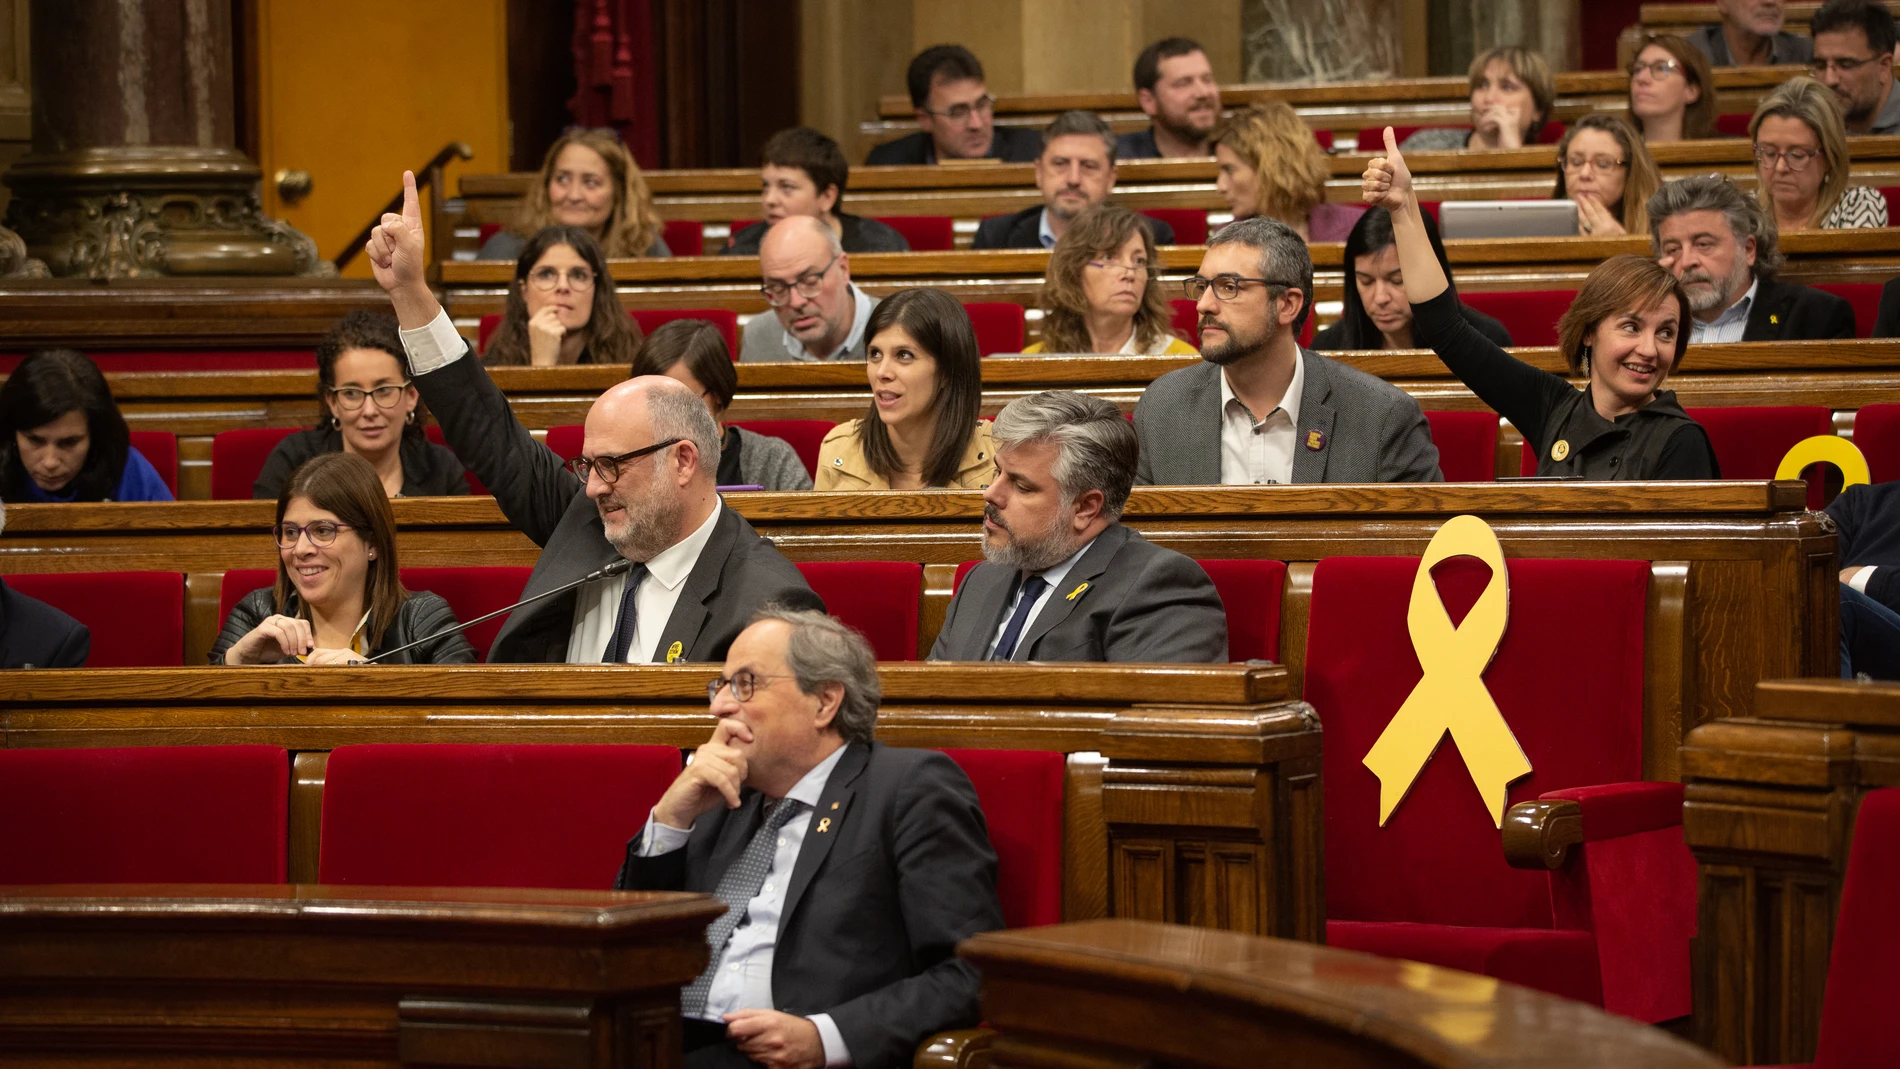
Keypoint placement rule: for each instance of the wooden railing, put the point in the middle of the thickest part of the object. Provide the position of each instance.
(430, 177)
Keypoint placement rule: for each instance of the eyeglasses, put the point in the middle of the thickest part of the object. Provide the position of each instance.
(744, 685)
(608, 468)
(1225, 287)
(546, 278)
(1602, 164)
(351, 398)
(1657, 68)
(322, 533)
(807, 285)
(1797, 159)
(983, 105)
(1845, 66)
(1137, 267)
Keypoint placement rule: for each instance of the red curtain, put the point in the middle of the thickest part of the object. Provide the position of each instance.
(614, 73)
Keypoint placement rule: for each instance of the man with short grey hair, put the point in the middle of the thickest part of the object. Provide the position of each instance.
(1062, 579)
(1075, 171)
(818, 313)
(852, 870)
(1260, 407)
(1724, 250)
(1751, 34)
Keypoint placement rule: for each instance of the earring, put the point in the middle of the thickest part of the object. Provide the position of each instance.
(336, 424)
(1584, 359)
(411, 417)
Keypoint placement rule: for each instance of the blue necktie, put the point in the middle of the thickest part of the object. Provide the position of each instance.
(737, 888)
(624, 623)
(1012, 631)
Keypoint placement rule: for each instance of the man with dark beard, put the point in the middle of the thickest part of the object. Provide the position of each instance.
(642, 489)
(1260, 408)
(1174, 84)
(1062, 579)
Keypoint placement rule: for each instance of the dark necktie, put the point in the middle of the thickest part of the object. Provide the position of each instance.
(1012, 631)
(737, 888)
(624, 623)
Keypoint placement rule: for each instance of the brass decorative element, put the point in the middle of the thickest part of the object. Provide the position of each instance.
(14, 262)
(293, 186)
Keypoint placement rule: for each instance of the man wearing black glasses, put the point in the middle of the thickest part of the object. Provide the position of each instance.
(956, 115)
(1853, 55)
(642, 489)
(1260, 407)
(817, 312)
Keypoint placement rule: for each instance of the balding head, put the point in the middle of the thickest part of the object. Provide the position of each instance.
(799, 235)
(800, 254)
(658, 499)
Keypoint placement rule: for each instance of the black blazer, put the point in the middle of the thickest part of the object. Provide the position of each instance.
(1009, 143)
(33, 634)
(1787, 311)
(428, 470)
(1869, 521)
(1887, 321)
(1022, 230)
(421, 616)
(876, 905)
(737, 574)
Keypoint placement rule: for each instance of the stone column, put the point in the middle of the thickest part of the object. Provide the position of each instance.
(134, 170)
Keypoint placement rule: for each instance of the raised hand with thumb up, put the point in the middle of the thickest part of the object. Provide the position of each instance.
(1387, 181)
(397, 259)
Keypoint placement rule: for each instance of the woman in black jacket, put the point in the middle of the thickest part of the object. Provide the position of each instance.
(337, 599)
(1377, 314)
(1625, 332)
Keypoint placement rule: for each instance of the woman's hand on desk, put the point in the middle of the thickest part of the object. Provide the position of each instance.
(277, 638)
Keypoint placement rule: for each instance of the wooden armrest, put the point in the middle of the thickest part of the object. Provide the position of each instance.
(1539, 834)
(963, 1048)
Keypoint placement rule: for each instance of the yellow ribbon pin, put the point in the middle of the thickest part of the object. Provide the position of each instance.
(1827, 449)
(824, 825)
(673, 652)
(1076, 593)
(1452, 695)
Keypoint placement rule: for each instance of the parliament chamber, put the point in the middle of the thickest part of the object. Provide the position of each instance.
(455, 847)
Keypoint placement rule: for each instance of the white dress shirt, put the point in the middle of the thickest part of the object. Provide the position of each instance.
(1729, 326)
(597, 607)
(1052, 576)
(860, 316)
(1861, 577)
(744, 977)
(1260, 450)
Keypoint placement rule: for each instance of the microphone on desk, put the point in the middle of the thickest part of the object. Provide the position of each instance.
(620, 566)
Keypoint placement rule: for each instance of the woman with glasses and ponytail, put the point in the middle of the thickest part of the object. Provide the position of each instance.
(337, 599)
(370, 409)
(561, 307)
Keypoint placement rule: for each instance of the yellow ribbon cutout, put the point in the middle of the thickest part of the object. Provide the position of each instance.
(1452, 695)
(1827, 449)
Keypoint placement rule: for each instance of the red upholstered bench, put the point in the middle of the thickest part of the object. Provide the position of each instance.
(879, 598)
(471, 592)
(998, 325)
(137, 619)
(1750, 441)
(144, 814)
(238, 456)
(1877, 434)
(926, 233)
(1189, 224)
(1864, 296)
(685, 237)
(1021, 792)
(161, 448)
(1467, 445)
(1530, 315)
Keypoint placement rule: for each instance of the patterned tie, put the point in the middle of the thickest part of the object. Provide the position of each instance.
(624, 623)
(737, 888)
(1032, 589)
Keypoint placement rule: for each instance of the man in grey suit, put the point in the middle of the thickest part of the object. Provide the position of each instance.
(1062, 579)
(1260, 408)
(818, 313)
(642, 489)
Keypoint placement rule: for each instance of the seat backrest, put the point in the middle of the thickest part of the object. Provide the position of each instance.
(879, 598)
(998, 325)
(433, 432)
(1021, 795)
(1250, 593)
(566, 440)
(472, 592)
(1862, 985)
(161, 448)
(137, 619)
(1189, 224)
(448, 815)
(1864, 296)
(651, 319)
(238, 582)
(1530, 315)
(926, 233)
(1877, 435)
(485, 330)
(1892, 193)
(804, 435)
(685, 237)
(238, 456)
(1567, 677)
(1467, 445)
(1735, 125)
(145, 814)
(1750, 441)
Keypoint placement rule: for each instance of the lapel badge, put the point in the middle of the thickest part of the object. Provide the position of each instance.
(834, 805)
(1772, 318)
(1316, 440)
(1076, 593)
(673, 652)
(1559, 450)
(824, 825)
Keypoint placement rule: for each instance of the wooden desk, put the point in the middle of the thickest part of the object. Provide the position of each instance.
(307, 975)
(1769, 813)
(1122, 993)
(178, 313)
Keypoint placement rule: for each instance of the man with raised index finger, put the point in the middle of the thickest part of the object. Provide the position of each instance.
(642, 489)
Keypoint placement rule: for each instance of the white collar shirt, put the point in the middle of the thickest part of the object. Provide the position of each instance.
(860, 316)
(1052, 576)
(597, 608)
(1260, 450)
(1043, 233)
(1729, 326)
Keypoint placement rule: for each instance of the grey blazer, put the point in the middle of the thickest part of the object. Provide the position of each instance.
(763, 341)
(1143, 603)
(1369, 431)
(737, 574)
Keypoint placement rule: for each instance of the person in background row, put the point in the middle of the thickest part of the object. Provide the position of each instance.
(588, 180)
(1099, 294)
(1076, 170)
(33, 634)
(1603, 165)
(803, 172)
(818, 313)
(1377, 314)
(338, 598)
(1853, 56)
(562, 307)
(1672, 91)
(1268, 164)
(373, 411)
(693, 352)
(1174, 85)
(1802, 164)
(62, 437)
(1625, 333)
(1750, 35)
(1511, 94)
(1887, 320)
(926, 380)
(1725, 251)
(956, 113)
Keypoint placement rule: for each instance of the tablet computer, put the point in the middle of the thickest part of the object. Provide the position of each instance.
(1507, 219)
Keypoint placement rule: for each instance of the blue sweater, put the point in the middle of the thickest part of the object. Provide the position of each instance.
(140, 482)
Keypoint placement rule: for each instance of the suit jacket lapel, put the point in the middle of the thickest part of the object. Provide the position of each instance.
(989, 588)
(1316, 417)
(690, 612)
(1770, 299)
(1203, 456)
(1060, 603)
(834, 807)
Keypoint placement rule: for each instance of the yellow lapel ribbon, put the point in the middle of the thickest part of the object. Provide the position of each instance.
(1452, 695)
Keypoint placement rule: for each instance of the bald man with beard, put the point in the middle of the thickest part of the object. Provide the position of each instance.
(642, 489)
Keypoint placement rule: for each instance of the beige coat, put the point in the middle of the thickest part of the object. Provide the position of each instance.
(841, 463)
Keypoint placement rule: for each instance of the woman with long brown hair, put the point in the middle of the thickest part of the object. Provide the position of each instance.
(1267, 163)
(1098, 294)
(561, 307)
(588, 179)
(1604, 167)
(1672, 92)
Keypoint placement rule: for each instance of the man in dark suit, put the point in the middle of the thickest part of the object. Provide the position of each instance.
(1062, 579)
(643, 489)
(1075, 170)
(1725, 251)
(956, 115)
(1869, 520)
(853, 870)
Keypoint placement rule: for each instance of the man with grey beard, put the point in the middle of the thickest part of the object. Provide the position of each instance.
(1062, 579)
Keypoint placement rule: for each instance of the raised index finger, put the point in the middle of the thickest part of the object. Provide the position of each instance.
(411, 204)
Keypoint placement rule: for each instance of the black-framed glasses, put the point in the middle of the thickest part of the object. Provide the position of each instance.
(352, 398)
(322, 533)
(547, 278)
(1602, 164)
(1843, 64)
(1138, 267)
(609, 468)
(1227, 287)
(1657, 68)
(1797, 159)
(744, 684)
(807, 285)
(983, 105)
